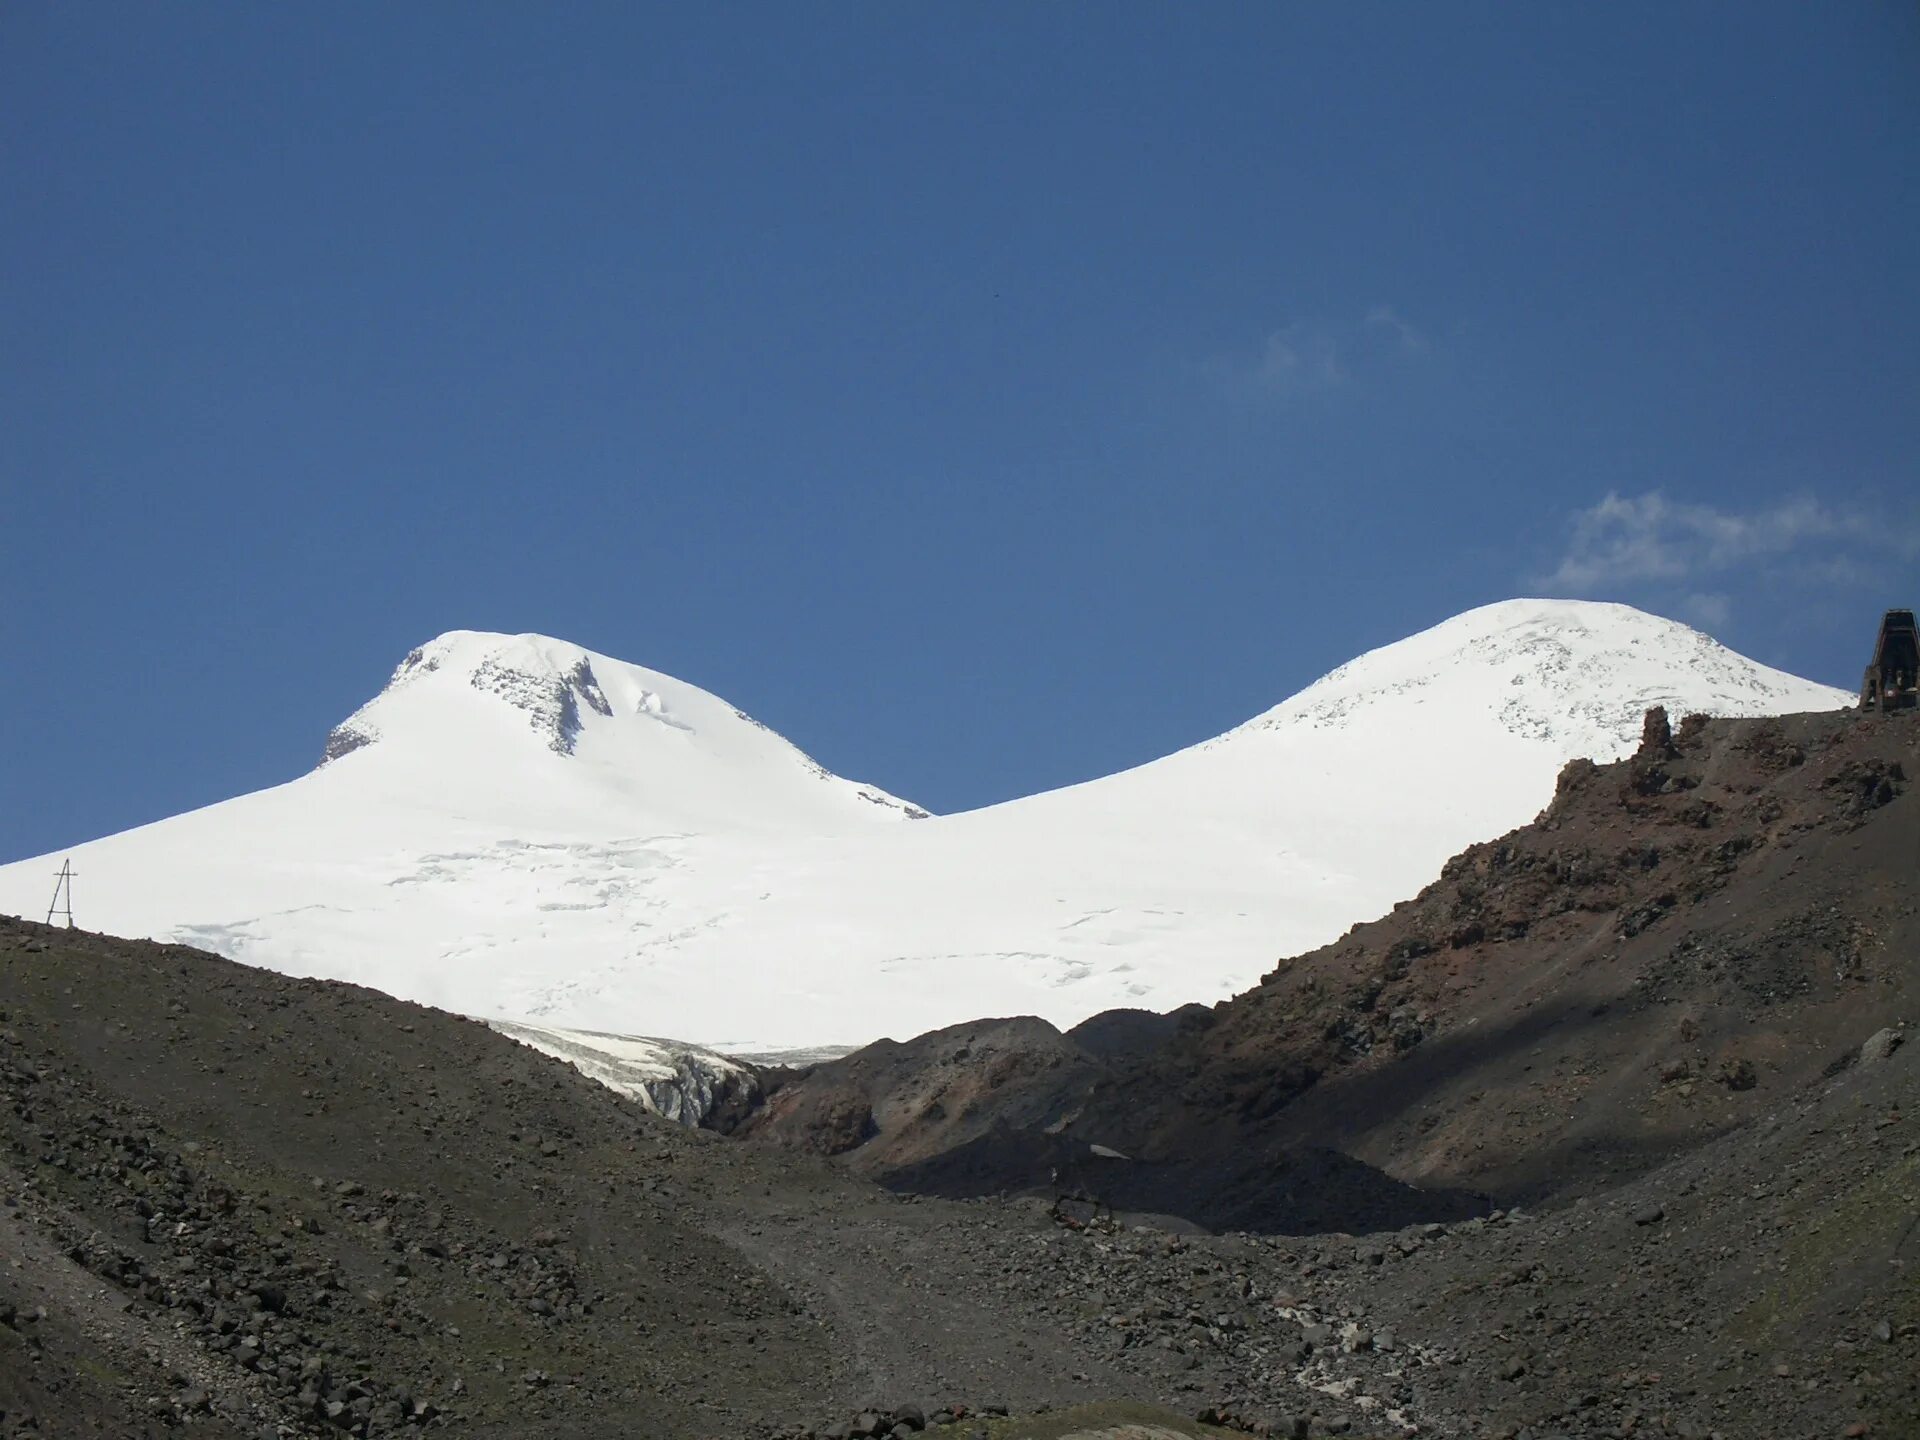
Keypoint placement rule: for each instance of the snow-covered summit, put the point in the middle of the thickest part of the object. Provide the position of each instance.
(546, 680)
(520, 828)
(1579, 673)
(469, 704)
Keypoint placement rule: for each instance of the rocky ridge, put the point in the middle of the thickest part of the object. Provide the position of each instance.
(1680, 941)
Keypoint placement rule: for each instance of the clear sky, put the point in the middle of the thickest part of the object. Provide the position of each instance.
(986, 397)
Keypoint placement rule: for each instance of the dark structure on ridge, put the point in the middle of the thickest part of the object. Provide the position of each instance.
(1893, 679)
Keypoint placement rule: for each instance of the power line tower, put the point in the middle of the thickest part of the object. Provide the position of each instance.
(62, 894)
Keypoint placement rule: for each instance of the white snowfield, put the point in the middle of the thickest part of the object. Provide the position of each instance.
(519, 828)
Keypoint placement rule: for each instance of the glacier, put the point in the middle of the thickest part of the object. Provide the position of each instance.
(520, 829)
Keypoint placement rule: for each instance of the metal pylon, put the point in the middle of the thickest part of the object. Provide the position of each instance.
(62, 894)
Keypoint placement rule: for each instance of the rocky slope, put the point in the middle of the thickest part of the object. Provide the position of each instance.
(1681, 941)
(242, 1204)
(1680, 944)
(239, 1205)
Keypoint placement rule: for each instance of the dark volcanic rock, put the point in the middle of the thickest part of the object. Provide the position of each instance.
(1734, 904)
(269, 1202)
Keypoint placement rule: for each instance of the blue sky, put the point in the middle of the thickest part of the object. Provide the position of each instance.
(987, 397)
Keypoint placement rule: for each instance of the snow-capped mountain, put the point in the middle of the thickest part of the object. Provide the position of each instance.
(522, 829)
(479, 715)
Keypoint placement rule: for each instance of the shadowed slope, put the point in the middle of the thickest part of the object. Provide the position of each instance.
(1680, 941)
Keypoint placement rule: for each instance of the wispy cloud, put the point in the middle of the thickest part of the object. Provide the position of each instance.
(1707, 610)
(1321, 357)
(1630, 538)
(1691, 554)
(1384, 319)
(1299, 358)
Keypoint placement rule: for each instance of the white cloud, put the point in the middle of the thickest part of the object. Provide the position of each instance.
(1384, 319)
(1299, 358)
(1629, 538)
(1710, 610)
(1638, 543)
(1318, 357)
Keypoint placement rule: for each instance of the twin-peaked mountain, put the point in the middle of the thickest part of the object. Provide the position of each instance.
(518, 827)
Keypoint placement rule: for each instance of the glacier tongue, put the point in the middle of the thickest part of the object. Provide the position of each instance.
(518, 827)
(684, 1083)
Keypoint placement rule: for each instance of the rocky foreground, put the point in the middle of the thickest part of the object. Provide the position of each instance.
(248, 1205)
(242, 1205)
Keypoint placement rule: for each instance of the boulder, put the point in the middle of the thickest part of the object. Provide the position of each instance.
(1880, 1046)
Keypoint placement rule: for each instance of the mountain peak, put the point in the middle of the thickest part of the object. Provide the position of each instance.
(547, 680)
(480, 709)
(1579, 674)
